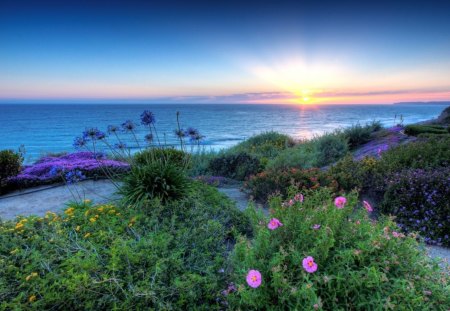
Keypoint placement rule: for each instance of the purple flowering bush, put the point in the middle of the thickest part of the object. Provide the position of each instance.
(420, 201)
(53, 169)
(318, 253)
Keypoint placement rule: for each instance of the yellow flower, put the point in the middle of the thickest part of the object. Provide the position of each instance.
(77, 228)
(93, 219)
(32, 298)
(87, 235)
(86, 213)
(69, 211)
(87, 201)
(32, 275)
(100, 209)
(19, 226)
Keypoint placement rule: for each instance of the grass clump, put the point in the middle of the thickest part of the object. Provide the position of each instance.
(358, 134)
(320, 257)
(10, 165)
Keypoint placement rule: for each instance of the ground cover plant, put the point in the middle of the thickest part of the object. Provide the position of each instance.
(156, 255)
(415, 130)
(313, 252)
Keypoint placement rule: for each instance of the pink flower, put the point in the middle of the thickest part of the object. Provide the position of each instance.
(274, 223)
(395, 234)
(254, 278)
(299, 197)
(340, 202)
(291, 202)
(309, 265)
(367, 206)
(316, 227)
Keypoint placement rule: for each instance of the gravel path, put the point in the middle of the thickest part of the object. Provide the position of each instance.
(37, 201)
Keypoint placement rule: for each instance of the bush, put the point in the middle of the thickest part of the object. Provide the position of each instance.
(109, 257)
(264, 145)
(358, 134)
(267, 183)
(304, 155)
(237, 166)
(330, 148)
(361, 264)
(420, 201)
(415, 130)
(200, 162)
(429, 153)
(174, 156)
(10, 165)
(318, 152)
(159, 179)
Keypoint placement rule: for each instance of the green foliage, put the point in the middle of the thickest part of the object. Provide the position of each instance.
(429, 153)
(420, 201)
(267, 183)
(235, 165)
(158, 179)
(10, 165)
(171, 155)
(264, 145)
(330, 148)
(105, 257)
(200, 162)
(415, 130)
(320, 151)
(304, 155)
(362, 264)
(358, 134)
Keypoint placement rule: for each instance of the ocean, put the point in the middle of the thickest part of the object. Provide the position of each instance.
(44, 128)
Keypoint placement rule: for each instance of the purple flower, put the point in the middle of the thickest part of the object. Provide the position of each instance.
(147, 117)
(128, 126)
(112, 129)
(79, 142)
(149, 138)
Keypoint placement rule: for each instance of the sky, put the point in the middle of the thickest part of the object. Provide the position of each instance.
(299, 52)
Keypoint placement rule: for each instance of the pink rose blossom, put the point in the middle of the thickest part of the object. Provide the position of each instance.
(274, 223)
(367, 206)
(299, 197)
(340, 202)
(254, 278)
(316, 227)
(309, 265)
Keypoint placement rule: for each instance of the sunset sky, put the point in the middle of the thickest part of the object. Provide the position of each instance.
(225, 52)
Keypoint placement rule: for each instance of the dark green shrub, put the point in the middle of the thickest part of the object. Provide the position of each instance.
(159, 179)
(358, 134)
(267, 183)
(10, 165)
(361, 264)
(105, 257)
(174, 156)
(420, 201)
(414, 130)
(238, 166)
(264, 145)
(330, 148)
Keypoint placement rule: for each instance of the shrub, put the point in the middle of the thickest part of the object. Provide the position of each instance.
(264, 145)
(360, 263)
(330, 148)
(108, 257)
(237, 166)
(304, 155)
(358, 134)
(420, 201)
(415, 130)
(200, 162)
(176, 157)
(10, 165)
(159, 179)
(429, 153)
(267, 183)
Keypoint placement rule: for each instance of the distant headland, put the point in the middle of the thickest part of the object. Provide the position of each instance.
(424, 103)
